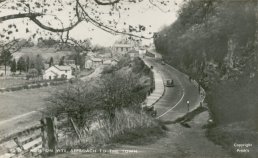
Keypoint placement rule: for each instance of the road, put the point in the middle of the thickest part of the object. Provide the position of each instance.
(179, 141)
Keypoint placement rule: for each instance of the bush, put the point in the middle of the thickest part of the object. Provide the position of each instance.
(108, 69)
(77, 100)
(45, 84)
(103, 113)
(16, 88)
(26, 86)
(128, 127)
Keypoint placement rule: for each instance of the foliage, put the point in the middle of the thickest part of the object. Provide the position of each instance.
(117, 94)
(78, 100)
(13, 66)
(51, 62)
(5, 57)
(121, 91)
(61, 62)
(32, 73)
(21, 64)
(217, 47)
(47, 16)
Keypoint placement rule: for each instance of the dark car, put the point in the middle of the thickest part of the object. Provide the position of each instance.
(169, 83)
(150, 110)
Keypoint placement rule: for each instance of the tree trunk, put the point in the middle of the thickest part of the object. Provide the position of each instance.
(5, 67)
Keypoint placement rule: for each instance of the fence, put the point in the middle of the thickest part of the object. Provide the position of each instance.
(40, 140)
(35, 85)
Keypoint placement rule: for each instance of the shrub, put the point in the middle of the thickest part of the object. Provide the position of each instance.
(128, 127)
(108, 69)
(26, 86)
(77, 100)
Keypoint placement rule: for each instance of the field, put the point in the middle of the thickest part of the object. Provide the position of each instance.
(6, 83)
(24, 101)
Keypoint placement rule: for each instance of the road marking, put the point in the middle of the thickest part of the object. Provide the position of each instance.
(172, 107)
(176, 103)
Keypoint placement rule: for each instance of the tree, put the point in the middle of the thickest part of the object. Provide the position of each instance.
(51, 62)
(46, 14)
(5, 58)
(61, 62)
(13, 66)
(27, 63)
(21, 64)
(39, 65)
(32, 73)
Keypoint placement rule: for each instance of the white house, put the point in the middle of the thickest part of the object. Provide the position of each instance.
(124, 45)
(142, 52)
(58, 71)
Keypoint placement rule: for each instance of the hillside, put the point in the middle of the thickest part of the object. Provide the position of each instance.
(45, 52)
(215, 42)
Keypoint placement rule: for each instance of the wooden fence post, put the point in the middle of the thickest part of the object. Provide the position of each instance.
(49, 137)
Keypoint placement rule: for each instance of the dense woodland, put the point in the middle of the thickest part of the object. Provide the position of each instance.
(215, 42)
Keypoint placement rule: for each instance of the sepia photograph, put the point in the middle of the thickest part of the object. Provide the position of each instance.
(128, 78)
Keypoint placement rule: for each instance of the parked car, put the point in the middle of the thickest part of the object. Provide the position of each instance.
(151, 67)
(150, 110)
(162, 63)
(169, 83)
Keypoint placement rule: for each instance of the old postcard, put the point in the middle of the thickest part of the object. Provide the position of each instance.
(129, 78)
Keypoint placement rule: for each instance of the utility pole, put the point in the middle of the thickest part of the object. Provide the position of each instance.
(188, 105)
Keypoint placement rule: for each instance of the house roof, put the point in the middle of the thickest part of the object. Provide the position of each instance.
(123, 45)
(63, 68)
(96, 59)
(54, 72)
(115, 59)
(133, 51)
(107, 62)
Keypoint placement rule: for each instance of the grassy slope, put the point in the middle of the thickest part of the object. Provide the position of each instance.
(23, 101)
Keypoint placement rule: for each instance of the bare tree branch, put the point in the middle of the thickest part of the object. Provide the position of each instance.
(105, 28)
(17, 16)
(106, 3)
(152, 3)
(41, 25)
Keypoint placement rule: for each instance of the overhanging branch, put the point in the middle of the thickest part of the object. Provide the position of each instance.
(106, 3)
(41, 25)
(106, 28)
(18, 16)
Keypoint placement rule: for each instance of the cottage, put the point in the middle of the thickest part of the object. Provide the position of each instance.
(124, 45)
(142, 52)
(58, 71)
(112, 62)
(133, 53)
(93, 63)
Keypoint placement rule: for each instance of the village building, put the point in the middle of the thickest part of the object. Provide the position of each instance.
(111, 62)
(133, 53)
(122, 48)
(93, 63)
(124, 45)
(142, 52)
(57, 71)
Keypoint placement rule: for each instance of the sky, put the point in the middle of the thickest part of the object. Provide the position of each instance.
(142, 13)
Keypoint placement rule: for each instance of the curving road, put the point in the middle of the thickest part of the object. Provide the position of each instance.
(175, 98)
